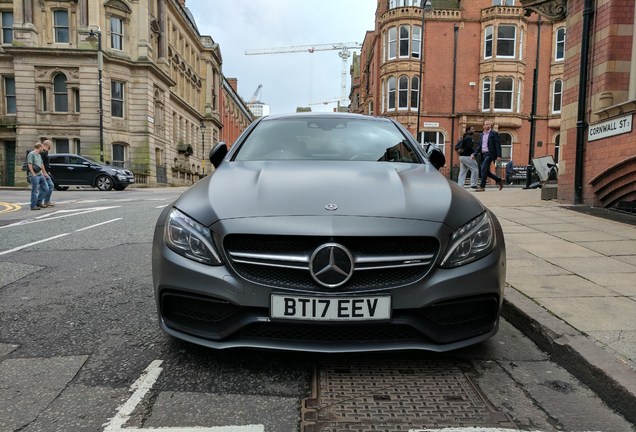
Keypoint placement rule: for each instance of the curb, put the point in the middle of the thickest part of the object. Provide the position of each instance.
(605, 374)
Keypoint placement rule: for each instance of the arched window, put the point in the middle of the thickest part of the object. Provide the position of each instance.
(60, 93)
(391, 93)
(506, 145)
(404, 40)
(557, 92)
(485, 95)
(504, 87)
(415, 92)
(403, 92)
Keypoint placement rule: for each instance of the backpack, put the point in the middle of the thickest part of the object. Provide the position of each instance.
(25, 165)
(459, 147)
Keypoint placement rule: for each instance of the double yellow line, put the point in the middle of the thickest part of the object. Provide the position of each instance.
(8, 207)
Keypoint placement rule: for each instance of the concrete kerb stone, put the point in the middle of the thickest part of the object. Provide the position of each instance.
(612, 380)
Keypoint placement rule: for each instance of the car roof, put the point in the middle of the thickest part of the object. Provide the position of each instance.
(324, 115)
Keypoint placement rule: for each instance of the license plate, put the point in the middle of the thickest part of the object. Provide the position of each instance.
(331, 308)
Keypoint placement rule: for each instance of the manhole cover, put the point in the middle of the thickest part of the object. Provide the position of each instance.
(395, 396)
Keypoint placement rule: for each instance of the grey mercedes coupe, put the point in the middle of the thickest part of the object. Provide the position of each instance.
(328, 232)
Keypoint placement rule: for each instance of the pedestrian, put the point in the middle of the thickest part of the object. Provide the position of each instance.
(490, 150)
(510, 171)
(467, 163)
(46, 146)
(39, 187)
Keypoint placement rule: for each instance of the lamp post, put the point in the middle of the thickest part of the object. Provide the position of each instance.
(92, 35)
(202, 126)
(428, 7)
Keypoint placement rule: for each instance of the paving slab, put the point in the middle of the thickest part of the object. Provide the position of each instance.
(560, 249)
(594, 313)
(558, 286)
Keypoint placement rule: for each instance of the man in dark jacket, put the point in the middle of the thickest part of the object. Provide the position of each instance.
(490, 150)
(466, 162)
(46, 146)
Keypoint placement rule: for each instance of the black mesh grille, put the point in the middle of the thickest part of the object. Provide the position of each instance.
(360, 247)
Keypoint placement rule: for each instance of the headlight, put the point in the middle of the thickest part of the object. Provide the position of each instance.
(189, 238)
(474, 240)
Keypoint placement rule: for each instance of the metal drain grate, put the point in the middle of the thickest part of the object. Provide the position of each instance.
(396, 396)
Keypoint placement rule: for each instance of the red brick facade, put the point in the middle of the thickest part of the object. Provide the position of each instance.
(514, 61)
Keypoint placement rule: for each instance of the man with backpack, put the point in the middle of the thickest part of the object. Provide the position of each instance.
(464, 148)
(35, 171)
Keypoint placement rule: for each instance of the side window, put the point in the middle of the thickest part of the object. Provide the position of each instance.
(559, 49)
(9, 94)
(117, 99)
(75, 160)
(392, 43)
(391, 93)
(56, 159)
(60, 26)
(416, 45)
(488, 42)
(415, 92)
(485, 95)
(557, 92)
(7, 27)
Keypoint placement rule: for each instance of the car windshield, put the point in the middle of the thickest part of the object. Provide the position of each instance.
(333, 139)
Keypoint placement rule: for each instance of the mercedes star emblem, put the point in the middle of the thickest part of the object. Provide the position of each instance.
(331, 265)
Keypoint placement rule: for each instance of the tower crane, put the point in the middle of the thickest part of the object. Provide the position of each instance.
(344, 53)
(256, 96)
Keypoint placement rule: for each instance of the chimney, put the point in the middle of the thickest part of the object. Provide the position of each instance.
(182, 2)
(233, 83)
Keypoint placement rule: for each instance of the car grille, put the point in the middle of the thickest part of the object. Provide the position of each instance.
(443, 322)
(283, 261)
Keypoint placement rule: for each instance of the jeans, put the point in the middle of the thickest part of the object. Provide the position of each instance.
(39, 189)
(50, 186)
(485, 169)
(467, 163)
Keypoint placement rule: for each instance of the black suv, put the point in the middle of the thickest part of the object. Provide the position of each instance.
(74, 170)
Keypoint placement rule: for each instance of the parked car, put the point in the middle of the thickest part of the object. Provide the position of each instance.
(75, 170)
(328, 232)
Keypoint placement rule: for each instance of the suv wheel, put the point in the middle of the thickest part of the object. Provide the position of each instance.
(104, 183)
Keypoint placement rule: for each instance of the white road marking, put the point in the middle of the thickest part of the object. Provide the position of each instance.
(141, 387)
(56, 237)
(162, 206)
(58, 214)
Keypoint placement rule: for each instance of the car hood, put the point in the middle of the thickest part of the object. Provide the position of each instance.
(307, 188)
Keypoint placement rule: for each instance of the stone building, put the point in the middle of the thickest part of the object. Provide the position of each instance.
(479, 59)
(598, 163)
(156, 110)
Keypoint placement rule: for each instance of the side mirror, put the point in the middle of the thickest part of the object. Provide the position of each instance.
(218, 153)
(436, 157)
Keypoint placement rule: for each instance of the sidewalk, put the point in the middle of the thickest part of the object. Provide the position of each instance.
(571, 287)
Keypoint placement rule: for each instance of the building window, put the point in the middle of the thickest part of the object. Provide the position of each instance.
(506, 38)
(488, 42)
(60, 93)
(557, 147)
(519, 95)
(44, 105)
(60, 26)
(119, 155)
(9, 94)
(503, 2)
(62, 146)
(403, 92)
(391, 93)
(503, 94)
(76, 99)
(416, 46)
(415, 92)
(116, 33)
(485, 95)
(7, 27)
(392, 43)
(506, 145)
(117, 99)
(557, 92)
(559, 49)
(370, 112)
(436, 138)
(382, 103)
(404, 41)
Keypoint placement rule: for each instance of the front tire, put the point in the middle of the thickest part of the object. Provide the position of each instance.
(119, 188)
(104, 183)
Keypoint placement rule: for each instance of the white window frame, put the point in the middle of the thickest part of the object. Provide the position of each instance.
(486, 93)
(559, 40)
(416, 44)
(488, 41)
(514, 41)
(403, 92)
(415, 92)
(392, 53)
(519, 95)
(404, 41)
(557, 95)
(511, 92)
(391, 93)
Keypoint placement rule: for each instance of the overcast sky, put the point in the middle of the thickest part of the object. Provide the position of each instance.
(289, 80)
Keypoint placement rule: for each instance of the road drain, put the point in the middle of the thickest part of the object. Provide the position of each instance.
(395, 396)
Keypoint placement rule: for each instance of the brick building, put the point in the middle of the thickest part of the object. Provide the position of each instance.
(598, 164)
(479, 61)
(157, 109)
